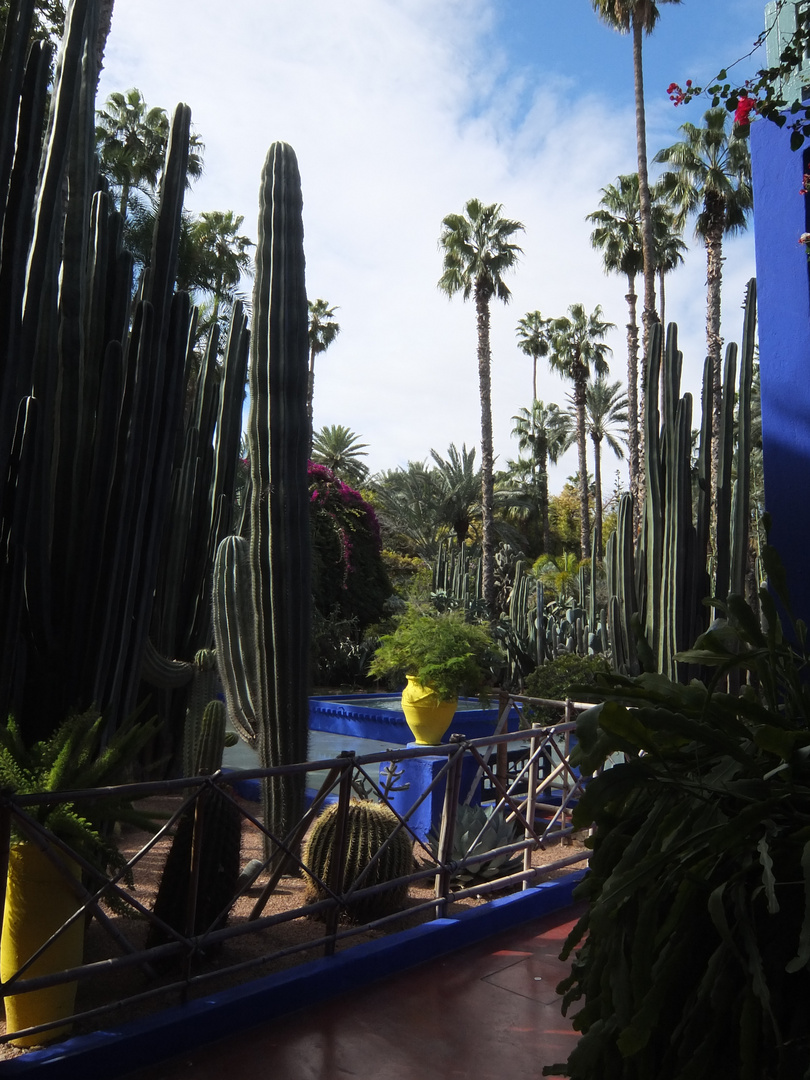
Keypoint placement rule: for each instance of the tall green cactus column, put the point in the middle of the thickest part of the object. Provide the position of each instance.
(261, 585)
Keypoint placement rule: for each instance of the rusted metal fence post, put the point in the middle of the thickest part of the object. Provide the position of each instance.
(531, 801)
(502, 768)
(337, 867)
(448, 826)
(565, 817)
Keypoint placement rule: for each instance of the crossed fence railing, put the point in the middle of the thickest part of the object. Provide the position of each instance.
(528, 778)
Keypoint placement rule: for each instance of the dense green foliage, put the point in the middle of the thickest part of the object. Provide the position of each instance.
(442, 652)
(554, 679)
(693, 955)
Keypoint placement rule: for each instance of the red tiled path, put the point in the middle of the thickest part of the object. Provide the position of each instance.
(487, 1012)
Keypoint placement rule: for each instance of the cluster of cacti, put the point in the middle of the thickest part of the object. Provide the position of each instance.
(203, 704)
(526, 640)
(216, 880)
(377, 849)
(107, 531)
(262, 582)
(658, 583)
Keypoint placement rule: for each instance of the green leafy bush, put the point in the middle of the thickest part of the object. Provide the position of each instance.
(442, 651)
(694, 952)
(554, 679)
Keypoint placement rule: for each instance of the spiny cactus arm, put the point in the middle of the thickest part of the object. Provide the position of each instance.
(722, 496)
(234, 636)
(160, 671)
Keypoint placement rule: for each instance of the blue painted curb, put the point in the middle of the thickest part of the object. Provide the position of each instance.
(117, 1051)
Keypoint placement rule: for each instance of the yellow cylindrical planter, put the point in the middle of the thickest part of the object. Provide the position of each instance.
(39, 900)
(426, 716)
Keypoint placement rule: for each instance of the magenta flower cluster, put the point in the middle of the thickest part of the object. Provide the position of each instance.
(342, 503)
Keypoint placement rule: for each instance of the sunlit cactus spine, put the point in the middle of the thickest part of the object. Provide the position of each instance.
(369, 827)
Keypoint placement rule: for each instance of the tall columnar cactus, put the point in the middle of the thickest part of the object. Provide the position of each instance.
(91, 392)
(373, 832)
(261, 584)
(658, 610)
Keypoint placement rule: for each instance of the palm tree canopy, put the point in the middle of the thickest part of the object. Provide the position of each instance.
(132, 139)
(340, 449)
(478, 250)
(669, 245)
(577, 341)
(217, 255)
(620, 13)
(618, 227)
(709, 164)
(323, 328)
(533, 335)
(606, 413)
(543, 425)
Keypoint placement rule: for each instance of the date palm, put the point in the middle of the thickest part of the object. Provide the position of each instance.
(545, 431)
(339, 449)
(532, 333)
(479, 249)
(709, 177)
(458, 482)
(606, 407)
(578, 352)
(639, 18)
(669, 246)
(323, 329)
(618, 236)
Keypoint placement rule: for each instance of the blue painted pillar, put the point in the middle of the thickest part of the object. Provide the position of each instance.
(783, 291)
(417, 774)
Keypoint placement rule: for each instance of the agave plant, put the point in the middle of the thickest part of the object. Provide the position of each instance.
(478, 831)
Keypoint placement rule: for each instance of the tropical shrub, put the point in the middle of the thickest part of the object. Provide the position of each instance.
(553, 681)
(694, 951)
(349, 579)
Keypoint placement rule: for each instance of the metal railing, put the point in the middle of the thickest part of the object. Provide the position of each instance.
(534, 786)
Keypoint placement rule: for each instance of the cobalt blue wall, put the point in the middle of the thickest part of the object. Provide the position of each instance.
(783, 288)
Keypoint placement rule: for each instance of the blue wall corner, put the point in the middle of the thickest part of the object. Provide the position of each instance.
(783, 290)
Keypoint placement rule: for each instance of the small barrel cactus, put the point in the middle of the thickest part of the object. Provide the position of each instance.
(368, 826)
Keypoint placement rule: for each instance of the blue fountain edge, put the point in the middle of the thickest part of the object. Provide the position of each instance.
(167, 1034)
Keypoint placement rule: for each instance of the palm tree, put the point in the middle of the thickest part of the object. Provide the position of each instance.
(459, 483)
(578, 350)
(478, 250)
(131, 139)
(710, 176)
(639, 17)
(323, 329)
(406, 502)
(618, 236)
(339, 449)
(545, 431)
(669, 245)
(606, 407)
(217, 255)
(532, 332)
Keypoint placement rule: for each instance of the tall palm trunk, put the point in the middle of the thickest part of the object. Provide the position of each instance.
(487, 497)
(714, 207)
(647, 245)
(632, 383)
(582, 454)
(542, 493)
(597, 487)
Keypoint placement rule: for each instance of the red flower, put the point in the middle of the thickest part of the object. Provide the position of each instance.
(745, 106)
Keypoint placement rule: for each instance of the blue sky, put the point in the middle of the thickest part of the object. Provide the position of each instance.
(400, 111)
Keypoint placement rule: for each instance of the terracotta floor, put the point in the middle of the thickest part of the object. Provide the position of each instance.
(488, 1012)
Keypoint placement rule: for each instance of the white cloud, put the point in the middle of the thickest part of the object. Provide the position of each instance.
(400, 111)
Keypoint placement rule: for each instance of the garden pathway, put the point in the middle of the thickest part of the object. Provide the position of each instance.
(487, 1012)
